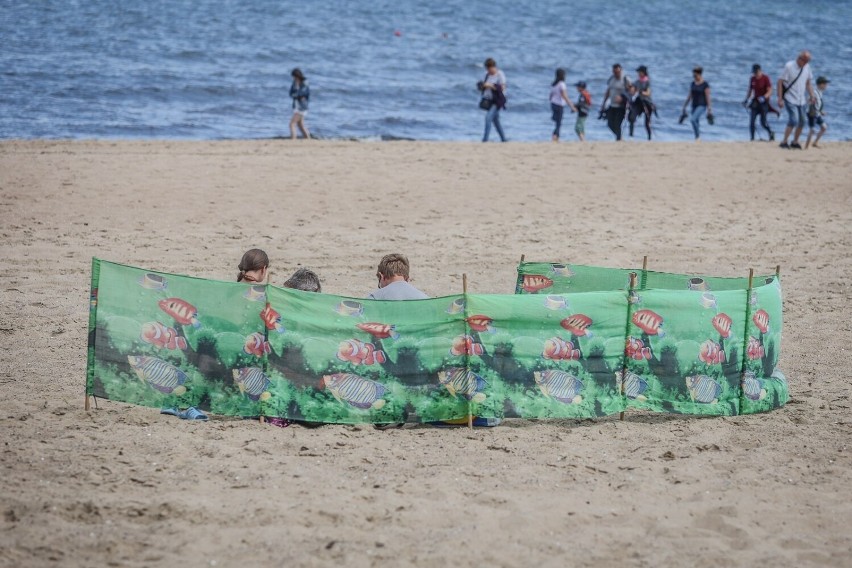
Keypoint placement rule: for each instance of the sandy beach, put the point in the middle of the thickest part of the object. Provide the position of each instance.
(125, 486)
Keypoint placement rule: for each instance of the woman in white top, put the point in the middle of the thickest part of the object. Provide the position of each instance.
(493, 89)
(558, 100)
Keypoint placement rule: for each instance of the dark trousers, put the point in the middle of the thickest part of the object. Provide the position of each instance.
(761, 110)
(558, 111)
(614, 119)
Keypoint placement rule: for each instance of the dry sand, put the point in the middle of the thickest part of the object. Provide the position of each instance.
(125, 486)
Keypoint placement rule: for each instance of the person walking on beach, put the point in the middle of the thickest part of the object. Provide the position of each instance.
(760, 91)
(493, 89)
(558, 100)
(699, 95)
(584, 105)
(616, 93)
(792, 84)
(301, 94)
(642, 104)
(816, 112)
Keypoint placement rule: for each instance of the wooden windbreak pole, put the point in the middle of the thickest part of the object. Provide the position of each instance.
(266, 331)
(86, 404)
(777, 271)
(464, 290)
(644, 271)
(744, 357)
(523, 256)
(624, 365)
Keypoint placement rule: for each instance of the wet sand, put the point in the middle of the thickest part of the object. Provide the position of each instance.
(125, 486)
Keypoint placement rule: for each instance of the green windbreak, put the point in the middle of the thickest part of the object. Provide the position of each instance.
(165, 340)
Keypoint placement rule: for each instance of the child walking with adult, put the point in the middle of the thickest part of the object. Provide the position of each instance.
(584, 105)
(816, 112)
(493, 89)
(699, 95)
(558, 100)
(301, 94)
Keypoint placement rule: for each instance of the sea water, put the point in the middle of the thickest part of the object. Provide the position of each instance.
(390, 69)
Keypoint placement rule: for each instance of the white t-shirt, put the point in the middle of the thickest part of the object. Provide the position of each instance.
(399, 290)
(795, 95)
(556, 92)
(496, 79)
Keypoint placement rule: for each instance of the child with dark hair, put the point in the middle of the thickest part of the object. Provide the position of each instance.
(305, 280)
(253, 266)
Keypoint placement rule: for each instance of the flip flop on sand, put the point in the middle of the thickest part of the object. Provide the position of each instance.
(192, 413)
(171, 412)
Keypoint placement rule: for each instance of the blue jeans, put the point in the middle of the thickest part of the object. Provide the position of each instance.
(557, 112)
(493, 115)
(795, 115)
(694, 118)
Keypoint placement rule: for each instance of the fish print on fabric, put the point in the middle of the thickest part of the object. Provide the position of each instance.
(252, 382)
(708, 301)
(532, 283)
(754, 348)
(753, 387)
(480, 323)
(559, 385)
(257, 345)
(456, 307)
(703, 389)
(161, 336)
(271, 319)
(761, 320)
(722, 323)
(158, 374)
(153, 281)
(562, 270)
(578, 324)
(379, 330)
(355, 391)
(256, 293)
(711, 353)
(557, 349)
(466, 345)
(182, 311)
(636, 349)
(360, 353)
(350, 308)
(633, 386)
(650, 322)
(555, 303)
(460, 381)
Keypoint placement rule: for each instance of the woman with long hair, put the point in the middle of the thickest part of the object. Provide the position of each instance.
(558, 100)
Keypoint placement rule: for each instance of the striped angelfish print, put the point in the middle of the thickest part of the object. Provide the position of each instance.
(162, 376)
(356, 391)
(464, 382)
(753, 387)
(634, 385)
(253, 382)
(703, 389)
(559, 385)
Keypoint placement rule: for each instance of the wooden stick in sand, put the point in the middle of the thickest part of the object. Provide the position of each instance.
(266, 331)
(86, 404)
(464, 289)
(523, 256)
(624, 365)
(745, 335)
(777, 271)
